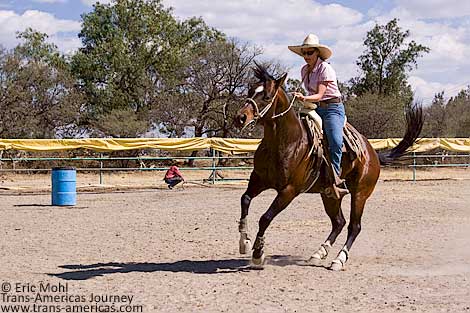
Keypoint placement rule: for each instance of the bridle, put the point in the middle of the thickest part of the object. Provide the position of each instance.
(260, 114)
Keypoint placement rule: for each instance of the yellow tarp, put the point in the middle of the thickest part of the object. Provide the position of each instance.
(426, 144)
(227, 145)
(105, 144)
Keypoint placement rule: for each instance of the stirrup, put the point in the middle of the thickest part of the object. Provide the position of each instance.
(336, 192)
(340, 182)
(340, 192)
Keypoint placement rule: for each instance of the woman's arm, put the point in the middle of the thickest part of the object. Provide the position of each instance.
(315, 97)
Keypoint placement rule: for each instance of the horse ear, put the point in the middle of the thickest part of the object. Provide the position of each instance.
(280, 81)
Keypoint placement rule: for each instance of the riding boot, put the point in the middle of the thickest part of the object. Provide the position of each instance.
(338, 188)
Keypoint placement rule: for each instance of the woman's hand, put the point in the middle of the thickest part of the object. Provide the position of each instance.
(299, 96)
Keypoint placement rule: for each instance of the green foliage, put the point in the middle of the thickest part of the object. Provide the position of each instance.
(448, 119)
(435, 117)
(133, 54)
(375, 100)
(36, 49)
(140, 68)
(386, 60)
(38, 98)
(217, 75)
(293, 85)
(113, 123)
(377, 116)
(457, 117)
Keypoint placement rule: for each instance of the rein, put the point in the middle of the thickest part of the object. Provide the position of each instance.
(259, 115)
(293, 98)
(288, 109)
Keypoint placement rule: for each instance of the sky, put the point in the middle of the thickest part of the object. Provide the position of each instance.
(443, 26)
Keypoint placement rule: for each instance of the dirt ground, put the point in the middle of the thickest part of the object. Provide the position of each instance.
(177, 250)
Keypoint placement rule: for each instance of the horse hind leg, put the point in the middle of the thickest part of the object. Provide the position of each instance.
(354, 228)
(333, 209)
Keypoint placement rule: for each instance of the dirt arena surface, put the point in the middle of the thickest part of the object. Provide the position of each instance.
(177, 250)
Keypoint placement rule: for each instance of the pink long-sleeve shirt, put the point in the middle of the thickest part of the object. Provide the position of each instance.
(173, 171)
(322, 72)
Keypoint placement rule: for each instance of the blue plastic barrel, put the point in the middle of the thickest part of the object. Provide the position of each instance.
(64, 186)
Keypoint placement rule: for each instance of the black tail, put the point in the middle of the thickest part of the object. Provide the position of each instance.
(414, 123)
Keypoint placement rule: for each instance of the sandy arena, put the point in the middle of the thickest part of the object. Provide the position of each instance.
(177, 250)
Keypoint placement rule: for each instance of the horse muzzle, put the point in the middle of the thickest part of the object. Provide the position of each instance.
(245, 116)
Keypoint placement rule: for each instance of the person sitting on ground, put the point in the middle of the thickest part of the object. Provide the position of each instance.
(173, 176)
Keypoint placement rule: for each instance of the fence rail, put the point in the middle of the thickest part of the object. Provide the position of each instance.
(417, 157)
(441, 160)
(213, 168)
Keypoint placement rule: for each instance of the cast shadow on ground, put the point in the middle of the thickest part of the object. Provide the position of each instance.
(32, 205)
(62, 207)
(84, 272)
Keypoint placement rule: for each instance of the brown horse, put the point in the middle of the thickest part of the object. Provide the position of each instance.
(284, 162)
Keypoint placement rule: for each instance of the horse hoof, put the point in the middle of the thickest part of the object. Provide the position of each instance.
(336, 265)
(314, 261)
(245, 246)
(258, 262)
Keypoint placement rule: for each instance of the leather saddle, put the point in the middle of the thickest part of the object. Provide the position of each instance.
(352, 146)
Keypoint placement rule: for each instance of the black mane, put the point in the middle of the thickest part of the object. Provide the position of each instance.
(261, 73)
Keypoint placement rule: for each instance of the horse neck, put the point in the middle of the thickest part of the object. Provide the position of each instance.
(282, 129)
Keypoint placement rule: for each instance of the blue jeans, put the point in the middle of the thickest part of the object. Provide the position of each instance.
(172, 182)
(333, 121)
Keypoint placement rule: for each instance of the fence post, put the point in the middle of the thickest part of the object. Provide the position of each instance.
(214, 170)
(414, 166)
(101, 166)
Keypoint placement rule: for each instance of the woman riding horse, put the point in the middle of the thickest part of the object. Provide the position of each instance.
(319, 79)
(284, 161)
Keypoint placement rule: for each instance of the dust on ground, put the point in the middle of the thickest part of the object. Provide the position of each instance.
(177, 250)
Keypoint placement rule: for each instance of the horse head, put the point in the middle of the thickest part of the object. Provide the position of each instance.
(262, 98)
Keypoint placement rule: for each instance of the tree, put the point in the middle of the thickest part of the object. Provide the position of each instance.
(376, 116)
(132, 57)
(216, 82)
(217, 78)
(375, 100)
(293, 85)
(386, 60)
(38, 98)
(458, 115)
(435, 117)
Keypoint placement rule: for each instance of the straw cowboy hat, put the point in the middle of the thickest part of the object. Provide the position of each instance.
(311, 41)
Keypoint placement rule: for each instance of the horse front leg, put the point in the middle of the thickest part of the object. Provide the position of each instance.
(282, 200)
(255, 187)
(245, 242)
